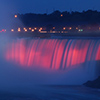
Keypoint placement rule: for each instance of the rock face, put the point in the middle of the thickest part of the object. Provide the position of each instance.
(93, 84)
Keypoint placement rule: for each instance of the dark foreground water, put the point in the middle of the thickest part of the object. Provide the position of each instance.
(52, 93)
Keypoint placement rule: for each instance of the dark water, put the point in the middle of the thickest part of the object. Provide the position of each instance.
(52, 93)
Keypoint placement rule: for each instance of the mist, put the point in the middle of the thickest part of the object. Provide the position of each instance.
(16, 76)
(7, 20)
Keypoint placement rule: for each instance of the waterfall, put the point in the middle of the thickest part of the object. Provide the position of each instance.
(53, 53)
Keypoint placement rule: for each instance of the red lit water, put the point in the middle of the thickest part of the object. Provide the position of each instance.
(52, 53)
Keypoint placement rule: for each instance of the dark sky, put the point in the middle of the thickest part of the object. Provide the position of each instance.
(41, 6)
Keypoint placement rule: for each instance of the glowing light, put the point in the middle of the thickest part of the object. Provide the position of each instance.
(53, 31)
(99, 28)
(64, 28)
(62, 31)
(43, 31)
(70, 28)
(3, 30)
(35, 28)
(15, 16)
(53, 27)
(25, 30)
(12, 30)
(41, 28)
(19, 29)
(76, 28)
(32, 30)
(80, 30)
(61, 15)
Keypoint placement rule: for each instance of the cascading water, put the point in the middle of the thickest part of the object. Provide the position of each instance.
(53, 53)
(50, 61)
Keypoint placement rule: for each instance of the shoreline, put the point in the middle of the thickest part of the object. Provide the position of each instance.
(88, 35)
(93, 84)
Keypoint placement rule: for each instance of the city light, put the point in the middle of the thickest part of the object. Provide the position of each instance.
(35, 28)
(60, 30)
(41, 28)
(19, 29)
(53, 27)
(61, 15)
(25, 30)
(3, 30)
(76, 28)
(15, 16)
(43, 31)
(80, 30)
(70, 28)
(64, 28)
(32, 30)
(12, 30)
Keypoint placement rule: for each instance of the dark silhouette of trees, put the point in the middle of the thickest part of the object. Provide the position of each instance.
(55, 18)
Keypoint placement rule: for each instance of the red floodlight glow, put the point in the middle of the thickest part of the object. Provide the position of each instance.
(3, 30)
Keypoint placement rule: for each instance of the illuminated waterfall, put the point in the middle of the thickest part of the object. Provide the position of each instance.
(53, 53)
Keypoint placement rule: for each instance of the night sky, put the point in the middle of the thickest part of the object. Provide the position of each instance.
(43, 6)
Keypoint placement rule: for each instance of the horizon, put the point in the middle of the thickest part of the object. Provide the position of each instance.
(56, 10)
(59, 11)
